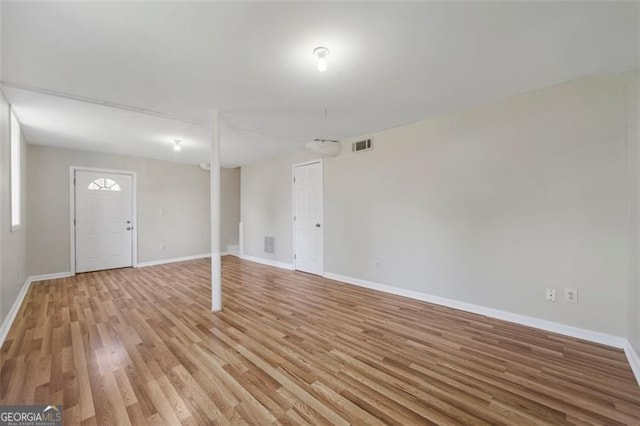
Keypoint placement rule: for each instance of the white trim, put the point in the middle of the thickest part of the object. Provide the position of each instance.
(15, 308)
(306, 163)
(172, 260)
(53, 276)
(293, 208)
(15, 227)
(11, 316)
(232, 250)
(555, 327)
(593, 336)
(72, 211)
(283, 265)
(633, 358)
(72, 227)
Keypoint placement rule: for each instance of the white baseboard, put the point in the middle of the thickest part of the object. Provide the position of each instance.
(54, 276)
(555, 327)
(589, 335)
(11, 316)
(6, 324)
(634, 360)
(172, 260)
(233, 251)
(268, 262)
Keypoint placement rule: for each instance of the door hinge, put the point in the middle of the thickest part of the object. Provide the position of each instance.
(294, 217)
(294, 179)
(295, 256)
(74, 181)
(74, 222)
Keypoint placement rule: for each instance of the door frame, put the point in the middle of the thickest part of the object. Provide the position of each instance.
(293, 208)
(72, 211)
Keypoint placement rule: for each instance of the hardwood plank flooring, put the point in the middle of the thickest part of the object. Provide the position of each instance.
(141, 346)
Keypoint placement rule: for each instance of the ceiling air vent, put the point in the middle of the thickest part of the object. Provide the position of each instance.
(364, 145)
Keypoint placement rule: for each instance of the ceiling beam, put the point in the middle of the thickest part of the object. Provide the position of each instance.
(109, 104)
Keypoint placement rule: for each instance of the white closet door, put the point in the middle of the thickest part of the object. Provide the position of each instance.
(308, 217)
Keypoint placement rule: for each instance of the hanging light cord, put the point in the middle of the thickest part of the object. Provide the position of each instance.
(326, 108)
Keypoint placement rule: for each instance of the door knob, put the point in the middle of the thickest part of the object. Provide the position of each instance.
(128, 221)
(317, 225)
(129, 228)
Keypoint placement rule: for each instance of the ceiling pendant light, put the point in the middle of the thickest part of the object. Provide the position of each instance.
(178, 145)
(328, 147)
(322, 53)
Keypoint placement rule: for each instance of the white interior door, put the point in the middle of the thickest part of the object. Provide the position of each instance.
(308, 218)
(104, 220)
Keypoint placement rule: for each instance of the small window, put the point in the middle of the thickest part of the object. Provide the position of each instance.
(16, 171)
(104, 184)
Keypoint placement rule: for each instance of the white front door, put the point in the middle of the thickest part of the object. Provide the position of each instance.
(104, 220)
(308, 218)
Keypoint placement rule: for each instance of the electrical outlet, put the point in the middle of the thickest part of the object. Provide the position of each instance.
(550, 295)
(571, 295)
(163, 247)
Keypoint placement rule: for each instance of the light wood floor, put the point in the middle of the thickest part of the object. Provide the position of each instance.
(141, 346)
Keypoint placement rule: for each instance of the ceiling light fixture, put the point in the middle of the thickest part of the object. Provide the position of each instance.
(329, 147)
(178, 145)
(322, 53)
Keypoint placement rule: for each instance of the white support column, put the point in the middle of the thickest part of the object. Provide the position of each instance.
(216, 269)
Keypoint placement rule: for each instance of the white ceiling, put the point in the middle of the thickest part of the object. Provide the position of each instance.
(65, 123)
(392, 63)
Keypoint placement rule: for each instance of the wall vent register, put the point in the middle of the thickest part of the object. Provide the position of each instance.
(269, 244)
(364, 145)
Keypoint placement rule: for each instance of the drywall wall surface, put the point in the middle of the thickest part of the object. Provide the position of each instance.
(172, 206)
(229, 207)
(489, 206)
(266, 209)
(14, 268)
(633, 117)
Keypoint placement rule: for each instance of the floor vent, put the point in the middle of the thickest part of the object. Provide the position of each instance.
(364, 145)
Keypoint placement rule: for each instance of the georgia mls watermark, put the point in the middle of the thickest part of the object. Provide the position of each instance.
(31, 415)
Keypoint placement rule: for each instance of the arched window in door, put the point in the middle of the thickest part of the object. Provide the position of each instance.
(104, 184)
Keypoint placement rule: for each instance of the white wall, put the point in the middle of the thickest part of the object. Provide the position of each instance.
(181, 191)
(229, 207)
(3, 140)
(266, 209)
(489, 206)
(633, 100)
(13, 262)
